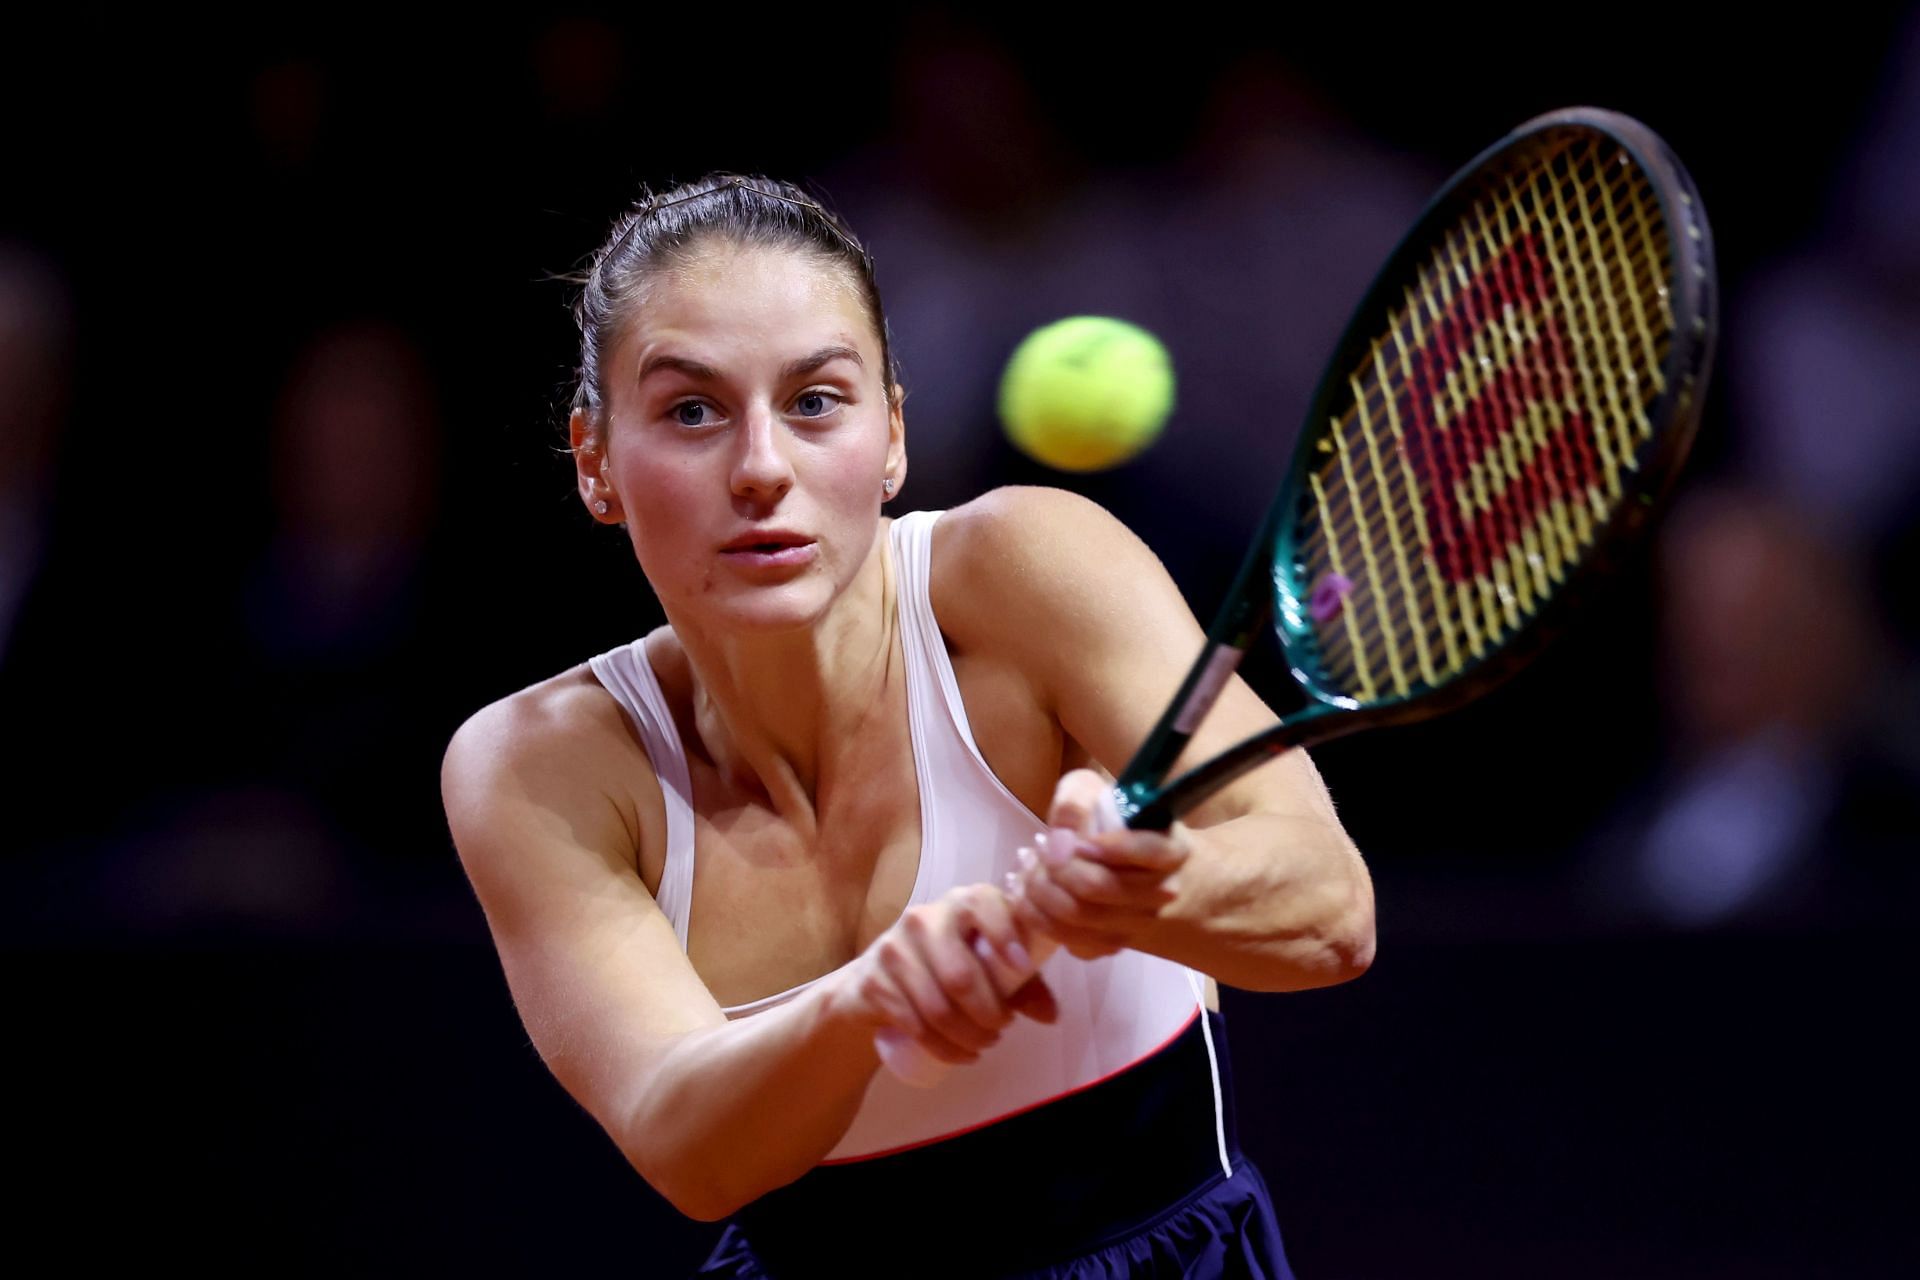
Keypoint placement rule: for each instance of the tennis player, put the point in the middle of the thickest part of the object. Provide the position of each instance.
(719, 860)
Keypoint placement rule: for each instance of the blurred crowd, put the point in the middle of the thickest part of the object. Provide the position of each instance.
(1789, 625)
(228, 695)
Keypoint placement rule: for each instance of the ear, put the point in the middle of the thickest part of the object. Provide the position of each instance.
(590, 469)
(897, 442)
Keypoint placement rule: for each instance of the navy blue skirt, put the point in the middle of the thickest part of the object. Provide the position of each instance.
(1122, 1179)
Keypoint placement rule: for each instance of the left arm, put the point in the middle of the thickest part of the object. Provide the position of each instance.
(1260, 886)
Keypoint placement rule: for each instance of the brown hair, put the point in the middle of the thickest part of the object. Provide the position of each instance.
(664, 227)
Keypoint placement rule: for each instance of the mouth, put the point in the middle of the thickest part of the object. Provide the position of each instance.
(769, 547)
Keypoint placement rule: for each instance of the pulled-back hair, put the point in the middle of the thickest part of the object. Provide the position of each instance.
(665, 228)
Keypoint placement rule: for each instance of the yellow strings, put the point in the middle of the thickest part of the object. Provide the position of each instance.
(1586, 348)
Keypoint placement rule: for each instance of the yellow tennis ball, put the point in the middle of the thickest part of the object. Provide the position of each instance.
(1086, 392)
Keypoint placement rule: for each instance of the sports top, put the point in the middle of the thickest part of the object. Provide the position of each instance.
(1114, 1012)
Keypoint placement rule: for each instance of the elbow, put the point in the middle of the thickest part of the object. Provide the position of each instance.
(1345, 938)
(672, 1164)
(652, 1129)
(706, 1207)
(1352, 942)
(692, 1191)
(1338, 954)
(1323, 957)
(1353, 952)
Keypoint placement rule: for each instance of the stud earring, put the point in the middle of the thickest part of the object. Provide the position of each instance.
(601, 506)
(888, 486)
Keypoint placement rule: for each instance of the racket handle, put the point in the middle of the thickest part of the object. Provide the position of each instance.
(904, 1056)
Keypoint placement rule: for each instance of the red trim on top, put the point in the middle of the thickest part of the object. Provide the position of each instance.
(1017, 1111)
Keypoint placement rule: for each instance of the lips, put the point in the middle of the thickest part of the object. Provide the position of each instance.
(769, 549)
(767, 540)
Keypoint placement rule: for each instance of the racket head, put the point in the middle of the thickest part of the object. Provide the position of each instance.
(1509, 404)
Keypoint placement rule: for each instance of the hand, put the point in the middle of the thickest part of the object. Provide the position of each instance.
(1095, 891)
(951, 974)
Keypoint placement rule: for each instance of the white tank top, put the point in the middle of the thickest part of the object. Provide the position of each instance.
(1114, 1011)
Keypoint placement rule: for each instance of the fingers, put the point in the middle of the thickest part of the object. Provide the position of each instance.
(1078, 925)
(1096, 894)
(1133, 875)
(1061, 918)
(1001, 946)
(1161, 852)
(959, 971)
(1035, 1000)
(1077, 801)
(950, 985)
(1085, 836)
(888, 999)
(920, 1007)
(997, 937)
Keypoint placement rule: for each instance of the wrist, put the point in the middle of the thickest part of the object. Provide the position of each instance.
(835, 1008)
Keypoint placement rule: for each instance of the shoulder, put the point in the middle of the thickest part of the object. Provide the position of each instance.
(1002, 519)
(556, 753)
(565, 715)
(1025, 552)
(541, 727)
(541, 799)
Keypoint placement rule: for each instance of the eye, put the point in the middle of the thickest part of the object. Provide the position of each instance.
(816, 404)
(691, 413)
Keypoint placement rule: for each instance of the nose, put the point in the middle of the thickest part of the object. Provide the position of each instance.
(762, 468)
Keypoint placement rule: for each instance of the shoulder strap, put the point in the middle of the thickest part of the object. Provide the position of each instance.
(628, 676)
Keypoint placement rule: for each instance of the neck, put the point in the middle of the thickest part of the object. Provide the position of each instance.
(778, 712)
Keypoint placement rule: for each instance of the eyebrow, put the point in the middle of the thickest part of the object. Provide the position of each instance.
(807, 364)
(797, 368)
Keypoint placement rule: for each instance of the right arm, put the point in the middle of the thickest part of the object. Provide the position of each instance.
(712, 1113)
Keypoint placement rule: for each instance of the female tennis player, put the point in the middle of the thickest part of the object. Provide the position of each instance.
(718, 861)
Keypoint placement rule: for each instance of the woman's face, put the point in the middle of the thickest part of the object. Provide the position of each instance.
(746, 437)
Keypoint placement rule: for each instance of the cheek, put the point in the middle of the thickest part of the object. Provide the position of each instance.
(662, 509)
(851, 471)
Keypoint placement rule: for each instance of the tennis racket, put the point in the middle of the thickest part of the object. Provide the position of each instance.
(1509, 403)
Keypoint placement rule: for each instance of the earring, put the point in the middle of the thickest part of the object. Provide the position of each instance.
(601, 506)
(888, 486)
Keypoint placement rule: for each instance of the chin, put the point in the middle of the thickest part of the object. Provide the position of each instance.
(791, 607)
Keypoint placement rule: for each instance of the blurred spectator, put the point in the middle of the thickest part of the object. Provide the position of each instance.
(36, 335)
(953, 203)
(1268, 233)
(1791, 789)
(289, 101)
(1822, 366)
(40, 654)
(1246, 257)
(355, 455)
(316, 809)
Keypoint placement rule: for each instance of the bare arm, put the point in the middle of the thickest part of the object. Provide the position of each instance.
(1272, 894)
(712, 1113)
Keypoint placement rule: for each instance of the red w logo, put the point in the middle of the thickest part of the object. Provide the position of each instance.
(1492, 430)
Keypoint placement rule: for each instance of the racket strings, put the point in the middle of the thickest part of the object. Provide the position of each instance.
(1475, 478)
(1501, 586)
(1486, 434)
(1524, 349)
(1524, 453)
(1496, 588)
(1469, 608)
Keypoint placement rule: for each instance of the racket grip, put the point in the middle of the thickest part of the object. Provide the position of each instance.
(903, 1055)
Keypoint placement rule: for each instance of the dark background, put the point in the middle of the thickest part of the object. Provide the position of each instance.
(285, 362)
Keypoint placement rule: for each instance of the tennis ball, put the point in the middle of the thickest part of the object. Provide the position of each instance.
(1086, 392)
